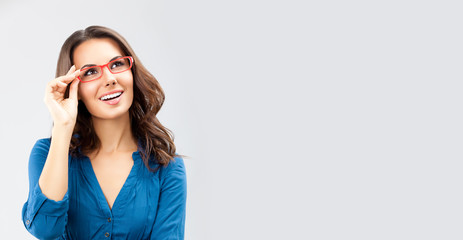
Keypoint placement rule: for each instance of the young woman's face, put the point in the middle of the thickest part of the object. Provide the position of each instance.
(100, 52)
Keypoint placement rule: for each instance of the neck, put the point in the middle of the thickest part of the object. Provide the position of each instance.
(115, 134)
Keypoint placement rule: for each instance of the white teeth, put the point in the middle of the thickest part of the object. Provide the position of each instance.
(111, 96)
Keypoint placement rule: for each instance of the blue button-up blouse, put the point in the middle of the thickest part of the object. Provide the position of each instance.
(149, 205)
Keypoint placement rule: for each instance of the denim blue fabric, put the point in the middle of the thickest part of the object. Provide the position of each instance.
(149, 205)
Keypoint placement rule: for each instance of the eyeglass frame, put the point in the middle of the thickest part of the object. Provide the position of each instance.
(107, 65)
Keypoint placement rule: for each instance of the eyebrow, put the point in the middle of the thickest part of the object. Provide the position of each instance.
(91, 65)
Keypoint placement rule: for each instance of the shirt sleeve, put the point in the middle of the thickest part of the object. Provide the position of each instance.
(170, 218)
(44, 218)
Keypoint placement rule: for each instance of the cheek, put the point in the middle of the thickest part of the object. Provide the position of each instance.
(127, 79)
(85, 91)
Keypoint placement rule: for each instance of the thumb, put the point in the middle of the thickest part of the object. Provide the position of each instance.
(73, 89)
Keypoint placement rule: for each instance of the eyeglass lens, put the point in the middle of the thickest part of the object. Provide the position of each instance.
(116, 66)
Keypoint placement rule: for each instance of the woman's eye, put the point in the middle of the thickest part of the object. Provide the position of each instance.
(90, 72)
(117, 64)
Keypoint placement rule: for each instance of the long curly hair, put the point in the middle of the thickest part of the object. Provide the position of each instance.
(157, 142)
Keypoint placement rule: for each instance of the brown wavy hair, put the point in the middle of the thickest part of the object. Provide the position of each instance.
(157, 142)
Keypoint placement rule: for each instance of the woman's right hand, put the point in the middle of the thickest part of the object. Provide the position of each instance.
(63, 111)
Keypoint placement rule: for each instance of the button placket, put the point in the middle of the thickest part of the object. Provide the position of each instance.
(109, 227)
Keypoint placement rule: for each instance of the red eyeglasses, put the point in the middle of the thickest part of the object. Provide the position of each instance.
(117, 65)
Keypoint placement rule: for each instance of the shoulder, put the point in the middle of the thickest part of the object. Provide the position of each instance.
(39, 154)
(175, 168)
(43, 141)
(41, 146)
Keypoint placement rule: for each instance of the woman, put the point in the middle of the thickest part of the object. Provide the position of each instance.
(110, 169)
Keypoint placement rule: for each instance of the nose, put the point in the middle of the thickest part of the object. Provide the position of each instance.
(108, 77)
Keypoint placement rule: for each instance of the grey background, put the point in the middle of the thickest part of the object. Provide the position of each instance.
(303, 119)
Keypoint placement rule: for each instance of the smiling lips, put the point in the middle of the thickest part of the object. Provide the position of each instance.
(110, 93)
(112, 98)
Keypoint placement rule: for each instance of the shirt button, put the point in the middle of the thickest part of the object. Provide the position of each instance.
(27, 222)
(106, 234)
(109, 219)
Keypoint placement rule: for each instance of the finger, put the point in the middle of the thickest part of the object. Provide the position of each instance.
(52, 94)
(77, 72)
(73, 89)
(68, 78)
(72, 69)
(65, 78)
(54, 86)
(61, 86)
(57, 86)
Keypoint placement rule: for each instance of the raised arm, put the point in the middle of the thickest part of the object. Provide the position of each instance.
(45, 212)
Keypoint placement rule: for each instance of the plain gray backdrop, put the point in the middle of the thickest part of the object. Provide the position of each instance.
(302, 119)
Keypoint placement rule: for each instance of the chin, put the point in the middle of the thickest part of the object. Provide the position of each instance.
(102, 110)
(108, 114)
